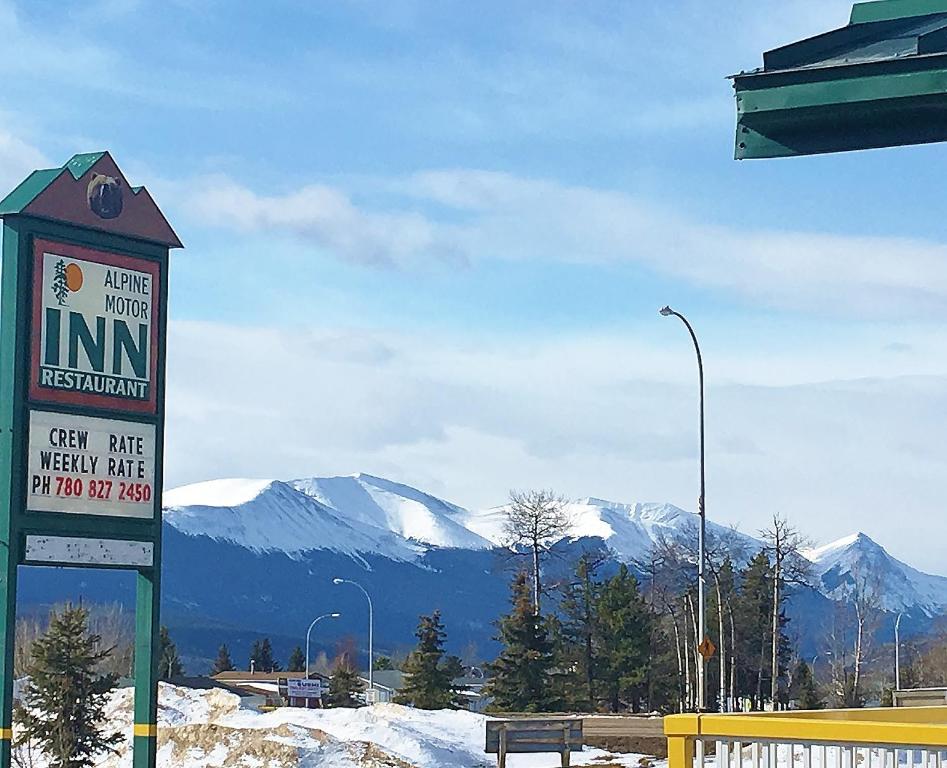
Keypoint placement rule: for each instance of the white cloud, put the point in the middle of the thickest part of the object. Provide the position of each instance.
(327, 217)
(584, 414)
(464, 215)
(17, 160)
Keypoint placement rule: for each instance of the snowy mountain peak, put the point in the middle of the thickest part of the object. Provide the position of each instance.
(858, 564)
(216, 493)
(271, 515)
(403, 510)
(817, 554)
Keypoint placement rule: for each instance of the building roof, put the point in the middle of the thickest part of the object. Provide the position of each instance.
(392, 679)
(876, 82)
(262, 677)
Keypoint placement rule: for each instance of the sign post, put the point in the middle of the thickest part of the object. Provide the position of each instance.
(83, 319)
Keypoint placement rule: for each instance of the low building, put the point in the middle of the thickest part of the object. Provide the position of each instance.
(388, 683)
(271, 687)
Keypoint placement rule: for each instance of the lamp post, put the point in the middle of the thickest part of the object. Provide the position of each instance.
(371, 631)
(897, 652)
(702, 512)
(308, 631)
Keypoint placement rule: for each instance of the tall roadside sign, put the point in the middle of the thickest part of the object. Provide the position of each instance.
(83, 317)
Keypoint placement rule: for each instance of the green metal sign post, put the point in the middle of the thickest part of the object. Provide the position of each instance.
(83, 317)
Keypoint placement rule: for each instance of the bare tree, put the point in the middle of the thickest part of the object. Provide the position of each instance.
(783, 545)
(535, 520)
(854, 626)
(866, 602)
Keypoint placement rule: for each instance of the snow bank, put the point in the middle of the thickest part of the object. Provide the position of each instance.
(209, 728)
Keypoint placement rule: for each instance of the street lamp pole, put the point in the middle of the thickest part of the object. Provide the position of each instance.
(702, 512)
(371, 631)
(308, 631)
(897, 652)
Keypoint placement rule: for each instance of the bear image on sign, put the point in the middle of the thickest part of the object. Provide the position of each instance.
(105, 196)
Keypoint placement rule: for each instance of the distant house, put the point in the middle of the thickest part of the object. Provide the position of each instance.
(269, 687)
(389, 682)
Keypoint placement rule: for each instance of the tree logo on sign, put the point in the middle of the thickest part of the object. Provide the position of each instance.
(67, 279)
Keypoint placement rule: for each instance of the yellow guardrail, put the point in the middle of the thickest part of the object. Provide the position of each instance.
(841, 738)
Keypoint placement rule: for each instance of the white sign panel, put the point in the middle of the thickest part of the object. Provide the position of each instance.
(90, 466)
(95, 328)
(301, 688)
(70, 550)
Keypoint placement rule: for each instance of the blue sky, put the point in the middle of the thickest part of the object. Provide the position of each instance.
(428, 241)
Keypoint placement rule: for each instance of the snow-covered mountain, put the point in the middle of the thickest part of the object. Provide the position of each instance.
(361, 515)
(858, 566)
(403, 510)
(248, 557)
(629, 530)
(273, 516)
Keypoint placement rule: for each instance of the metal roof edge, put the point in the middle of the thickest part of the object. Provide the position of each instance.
(889, 10)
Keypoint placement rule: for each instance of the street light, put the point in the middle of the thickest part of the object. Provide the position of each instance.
(701, 554)
(308, 631)
(897, 653)
(371, 631)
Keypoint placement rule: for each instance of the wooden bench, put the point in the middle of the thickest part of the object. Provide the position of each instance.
(525, 735)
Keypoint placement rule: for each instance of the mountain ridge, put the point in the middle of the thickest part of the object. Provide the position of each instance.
(363, 514)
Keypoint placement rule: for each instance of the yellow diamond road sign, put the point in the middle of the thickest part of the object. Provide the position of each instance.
(707, 649)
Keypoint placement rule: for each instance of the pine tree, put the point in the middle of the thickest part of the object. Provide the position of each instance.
(267, 659)
(579, 627)
(428, 676)
(63, 708)
(804, 690)
(261, 656)
(522, 676)
(752, 611)
(169, 663)
(297, 661)
(344, 684)
(383, 663)
(623, 640)
(222, 663)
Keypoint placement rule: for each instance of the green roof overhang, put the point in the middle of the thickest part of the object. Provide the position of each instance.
(881, 81)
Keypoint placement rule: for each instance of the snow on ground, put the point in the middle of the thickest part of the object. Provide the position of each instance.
(210, 728)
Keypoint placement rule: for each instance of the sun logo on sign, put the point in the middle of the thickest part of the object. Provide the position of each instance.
(67, 279)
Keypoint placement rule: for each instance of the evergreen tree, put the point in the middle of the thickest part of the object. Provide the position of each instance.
(804, 690)
(64, 702)
(752, 610)
(522, 676)
(383, 663)
(297, 661)
(623, 639)
(579, 628)
(169, 663)
(222, 663)
(261, 654)
(428, 676)
(344, 684)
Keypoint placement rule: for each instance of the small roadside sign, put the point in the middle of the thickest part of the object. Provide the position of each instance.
(707, 649)
(301, 688)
